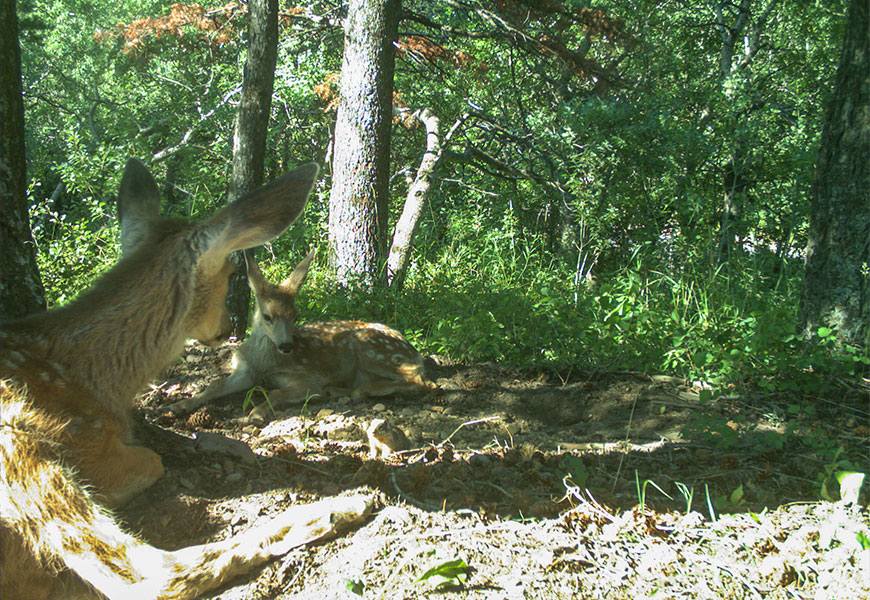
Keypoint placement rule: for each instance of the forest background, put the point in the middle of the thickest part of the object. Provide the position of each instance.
(618, 185)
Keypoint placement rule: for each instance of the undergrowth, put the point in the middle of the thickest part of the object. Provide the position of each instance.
(505, 303)
(731, 331)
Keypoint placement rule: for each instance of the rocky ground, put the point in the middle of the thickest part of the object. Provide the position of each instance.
(517, 485)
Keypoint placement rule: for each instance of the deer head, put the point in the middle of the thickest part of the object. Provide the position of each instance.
(275, 312)
(169, 285)
(253, 220)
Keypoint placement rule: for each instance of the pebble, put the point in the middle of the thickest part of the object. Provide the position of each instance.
(479, 460)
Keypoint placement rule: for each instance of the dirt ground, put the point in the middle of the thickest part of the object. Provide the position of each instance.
(579, 486)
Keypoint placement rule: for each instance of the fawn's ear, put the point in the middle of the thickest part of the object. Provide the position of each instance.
(138, 204)
(255, 276)
(292, 284)
(256, 218)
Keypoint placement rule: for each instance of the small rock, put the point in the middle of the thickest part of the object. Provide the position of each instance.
(414, 433)
(205, 441)
(379, 407)
(186, 483)
(325, 412)
(234, 477)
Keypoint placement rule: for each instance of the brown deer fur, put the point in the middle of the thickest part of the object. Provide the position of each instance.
(69, 379)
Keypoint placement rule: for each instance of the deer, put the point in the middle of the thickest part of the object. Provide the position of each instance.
(69, 378)
(299, 361)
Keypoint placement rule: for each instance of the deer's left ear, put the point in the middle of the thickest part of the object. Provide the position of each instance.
(256, 218)
(255, 276)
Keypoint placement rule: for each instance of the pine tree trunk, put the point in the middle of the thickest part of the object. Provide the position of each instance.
(21, 290)
(836, 290)
(249, 136)
(358, 206)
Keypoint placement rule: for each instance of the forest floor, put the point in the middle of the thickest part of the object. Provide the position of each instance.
(537, 483)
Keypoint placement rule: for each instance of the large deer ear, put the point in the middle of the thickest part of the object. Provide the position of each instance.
(256, 218)
(292, 284)
(255, 276)
(138, 204)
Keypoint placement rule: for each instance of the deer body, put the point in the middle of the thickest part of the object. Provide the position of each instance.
(69, 378)
(353, 358)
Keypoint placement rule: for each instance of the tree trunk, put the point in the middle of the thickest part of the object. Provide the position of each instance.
(418, 193)
(732, 199)
(249, 136)
(360, 169)
(21, 290)
(736, 23)
(836, 290)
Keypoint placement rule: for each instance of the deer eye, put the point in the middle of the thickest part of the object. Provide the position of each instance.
(267, 318)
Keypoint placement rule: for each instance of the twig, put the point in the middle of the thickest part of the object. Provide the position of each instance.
(464, 424)
(301, 464)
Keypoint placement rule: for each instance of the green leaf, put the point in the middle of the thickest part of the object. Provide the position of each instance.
(453, 573)
(576, 470)
(355, 585)
(825, 332)
(824, 493)
(736, 497)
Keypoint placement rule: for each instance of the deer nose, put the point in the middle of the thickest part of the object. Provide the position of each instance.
(286, 347)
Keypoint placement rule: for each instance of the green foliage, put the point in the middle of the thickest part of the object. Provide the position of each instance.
(249, 401)
(448, 574)
(355, 586)
(73, 248)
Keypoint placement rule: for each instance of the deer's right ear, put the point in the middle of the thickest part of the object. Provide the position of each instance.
(138, 204)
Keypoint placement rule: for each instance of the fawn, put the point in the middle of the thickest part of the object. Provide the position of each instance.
(335, 357)
(69, 378)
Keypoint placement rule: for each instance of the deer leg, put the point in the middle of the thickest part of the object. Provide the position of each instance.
(117, 471)
(240, 380)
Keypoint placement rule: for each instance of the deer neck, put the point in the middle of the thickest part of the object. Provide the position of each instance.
(120, 333)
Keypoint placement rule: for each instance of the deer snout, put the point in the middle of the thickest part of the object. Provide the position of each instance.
(282, 335)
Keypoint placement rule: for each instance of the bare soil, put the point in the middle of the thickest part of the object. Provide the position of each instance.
(546, 486)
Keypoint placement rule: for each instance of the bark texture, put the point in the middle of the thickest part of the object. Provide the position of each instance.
(358, 201)
(418, 193)
(836, 291)
(249, 136)
(21, 290)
